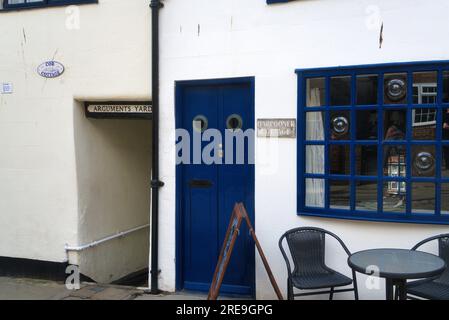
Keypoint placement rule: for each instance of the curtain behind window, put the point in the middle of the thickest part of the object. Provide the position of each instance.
(315, 158)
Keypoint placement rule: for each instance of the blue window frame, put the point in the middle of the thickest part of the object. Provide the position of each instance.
(26, 4)
(373, 142)
(278, 1)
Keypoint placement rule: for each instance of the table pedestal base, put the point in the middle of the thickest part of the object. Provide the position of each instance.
(399, 285)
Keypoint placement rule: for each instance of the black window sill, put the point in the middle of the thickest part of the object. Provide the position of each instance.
(19, 7)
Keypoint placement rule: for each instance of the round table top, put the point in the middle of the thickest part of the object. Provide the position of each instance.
(397, 263)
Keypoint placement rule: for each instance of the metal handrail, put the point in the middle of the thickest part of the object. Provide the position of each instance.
(109, 238)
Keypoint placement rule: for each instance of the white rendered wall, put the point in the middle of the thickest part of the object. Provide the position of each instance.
(233, 38)
(106, 58)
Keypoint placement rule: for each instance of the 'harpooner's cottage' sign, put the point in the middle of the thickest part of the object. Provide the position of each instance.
(276, 128)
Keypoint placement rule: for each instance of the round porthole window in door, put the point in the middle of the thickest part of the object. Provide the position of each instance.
(234, 122)
(200, 123)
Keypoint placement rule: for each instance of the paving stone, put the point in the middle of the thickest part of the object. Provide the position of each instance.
(114, 294)
(30, 289)
(72, 298)
(87, 292)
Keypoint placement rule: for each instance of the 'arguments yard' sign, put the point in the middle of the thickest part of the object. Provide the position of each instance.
(108, 110)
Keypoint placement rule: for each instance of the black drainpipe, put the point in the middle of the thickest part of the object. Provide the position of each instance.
(155, 5)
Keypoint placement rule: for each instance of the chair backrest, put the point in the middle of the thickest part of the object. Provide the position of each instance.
(443, 252)
(307, 249)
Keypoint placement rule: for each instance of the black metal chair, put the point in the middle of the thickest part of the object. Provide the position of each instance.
(434, 288)
(307, 249)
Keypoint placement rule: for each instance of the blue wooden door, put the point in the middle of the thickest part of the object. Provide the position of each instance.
(210, 190)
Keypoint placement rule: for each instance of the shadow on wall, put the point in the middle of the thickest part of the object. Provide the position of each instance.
(113, 161)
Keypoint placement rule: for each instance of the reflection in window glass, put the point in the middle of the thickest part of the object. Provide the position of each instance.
(316, 92)
(394, 197)
(366, 160)
(366, 196)
(340, 125)
(394, 161)
(315, 193)
(315, 159)
(445, 198)
(445, 162)
(340, 90)
(446, 86)
(395, 88)
(423, 198)
(424, 123)
(445, 124)
(425, 88)
(315, 126)
(25, 1)
(367, 90)
(339, 159)
(340, 194)
(395, 124)
(423, 161)
(366, 125)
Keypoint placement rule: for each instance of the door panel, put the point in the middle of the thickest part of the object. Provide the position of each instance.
(209, 192)
(235, 181)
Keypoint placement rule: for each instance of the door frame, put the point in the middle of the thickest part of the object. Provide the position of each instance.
(179, 87)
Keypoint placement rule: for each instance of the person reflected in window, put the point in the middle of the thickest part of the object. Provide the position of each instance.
(395, 155)
(446, 137)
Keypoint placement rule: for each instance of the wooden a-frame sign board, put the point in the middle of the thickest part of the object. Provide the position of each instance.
(239, 215)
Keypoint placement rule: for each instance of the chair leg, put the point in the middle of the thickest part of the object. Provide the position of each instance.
(290, 295)
(331, 296)
(356, 288)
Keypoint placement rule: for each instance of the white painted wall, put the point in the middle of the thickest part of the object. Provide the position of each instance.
(232, 38)
(107, 58)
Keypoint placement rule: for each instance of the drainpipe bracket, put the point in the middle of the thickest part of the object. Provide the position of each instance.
(156, 4)
(156, 184)
(158, 272)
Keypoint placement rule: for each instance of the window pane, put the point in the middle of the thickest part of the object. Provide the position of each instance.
(445, 198)
(366, 125)
(316, 92)
(445, 124)
(423, 198)
(315, 126)
(367, 90)
(424, 123)
(315, 193)
(339, 159)
(24, 1)
(395, 88)
(446, 86)
(425, 87)
(366, 160)
(340, 90)
(340, 125)
(445, 162)
(315, 159)
(366, 196)
(395, 124)
(394, 161)
(394, 197)
(423, 161)
(340, 194)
